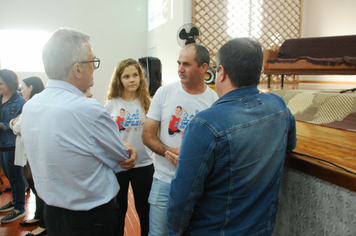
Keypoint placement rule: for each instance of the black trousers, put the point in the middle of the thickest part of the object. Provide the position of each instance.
(141, 181)
(39, 205)
(103, 220)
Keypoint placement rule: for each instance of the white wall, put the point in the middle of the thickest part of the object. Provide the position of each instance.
(328, 18)
(162, 41)
(118, 28)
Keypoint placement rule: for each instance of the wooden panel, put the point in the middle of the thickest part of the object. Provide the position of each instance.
(333, 145)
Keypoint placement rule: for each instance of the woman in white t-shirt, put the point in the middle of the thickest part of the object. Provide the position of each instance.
(128, 103)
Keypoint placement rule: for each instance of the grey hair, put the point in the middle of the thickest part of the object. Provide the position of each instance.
(64, 48)
(242, 59)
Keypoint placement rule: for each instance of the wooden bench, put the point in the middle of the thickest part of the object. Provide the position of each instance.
(312, 56)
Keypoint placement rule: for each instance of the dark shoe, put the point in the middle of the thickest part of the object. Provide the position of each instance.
(44, 232)
(7, 207)
(7, 189)
(25, 224)
(12, 216)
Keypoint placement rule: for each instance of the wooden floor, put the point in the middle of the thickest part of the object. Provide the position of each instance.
(132, 226)
(13, 228)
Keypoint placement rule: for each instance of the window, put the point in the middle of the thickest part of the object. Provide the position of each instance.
(244, 18)
(21, 50)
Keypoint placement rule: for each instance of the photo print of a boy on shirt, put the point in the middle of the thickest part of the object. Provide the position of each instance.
(130, 120)
(179, 120)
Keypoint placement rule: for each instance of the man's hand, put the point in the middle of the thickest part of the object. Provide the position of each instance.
(151, 140)
(15, 120)
(172, 155)
(131, 162)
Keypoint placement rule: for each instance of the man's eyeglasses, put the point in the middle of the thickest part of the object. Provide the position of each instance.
(96, 62)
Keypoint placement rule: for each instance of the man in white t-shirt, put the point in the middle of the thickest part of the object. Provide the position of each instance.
(191, 95)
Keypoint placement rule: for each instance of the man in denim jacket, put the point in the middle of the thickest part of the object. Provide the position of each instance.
(232, 154)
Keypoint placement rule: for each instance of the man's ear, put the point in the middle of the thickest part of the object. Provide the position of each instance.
(31, 87)
(222, 73)
(204, 67)
(76, 69)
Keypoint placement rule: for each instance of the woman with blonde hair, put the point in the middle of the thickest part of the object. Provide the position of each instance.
(128, 103)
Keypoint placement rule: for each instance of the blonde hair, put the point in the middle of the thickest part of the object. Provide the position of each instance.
(116, 89)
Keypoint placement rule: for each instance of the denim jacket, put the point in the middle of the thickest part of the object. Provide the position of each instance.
(12, 108)
(230, 165)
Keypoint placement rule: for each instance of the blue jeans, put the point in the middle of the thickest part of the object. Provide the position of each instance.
(14, 174)
(158, 208)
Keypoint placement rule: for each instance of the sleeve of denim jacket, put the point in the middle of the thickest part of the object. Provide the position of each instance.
(195, 162)
(292, 133)
(4, 126)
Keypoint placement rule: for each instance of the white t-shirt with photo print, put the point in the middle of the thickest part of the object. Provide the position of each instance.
(164, 109)
(130, 118)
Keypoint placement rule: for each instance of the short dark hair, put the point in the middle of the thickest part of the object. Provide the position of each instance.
(202, 54)
(37, 84)
(242, 59)
(10, 78)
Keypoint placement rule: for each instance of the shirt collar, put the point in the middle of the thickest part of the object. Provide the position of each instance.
(13, 96)
(238, 93)
(11, 99)
(61, 84)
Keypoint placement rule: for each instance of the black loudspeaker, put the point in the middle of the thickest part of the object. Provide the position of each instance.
(152, 68)
(209, 77)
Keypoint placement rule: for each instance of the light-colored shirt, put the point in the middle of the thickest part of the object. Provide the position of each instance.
(132, 126)
(163, 106)
(20, 155)
(73, 147)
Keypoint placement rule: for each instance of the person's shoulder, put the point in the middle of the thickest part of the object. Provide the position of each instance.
(167, 90)
(90, 103)
(85, 106)
(211, 92)
(206, 112)
(112, 101)
(93, 108)
(274, 101)
(37, 99)
(19, 98)
(205, 119)
(274, 97)
(171, 86)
